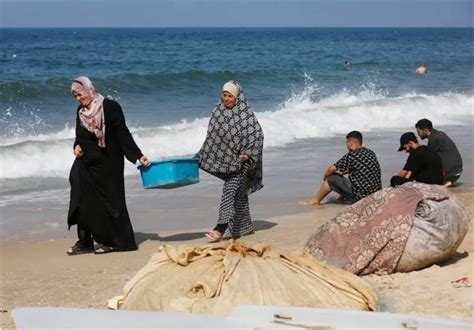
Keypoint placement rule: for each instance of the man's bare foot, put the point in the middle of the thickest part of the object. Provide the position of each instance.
(310, 202)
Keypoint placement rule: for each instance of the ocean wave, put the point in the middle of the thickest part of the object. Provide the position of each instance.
(130, 82)
(32, 89)
(302, 116)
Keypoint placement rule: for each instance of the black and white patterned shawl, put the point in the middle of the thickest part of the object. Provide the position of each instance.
(231, 134)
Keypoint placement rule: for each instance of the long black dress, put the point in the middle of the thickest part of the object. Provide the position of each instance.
(97, 202)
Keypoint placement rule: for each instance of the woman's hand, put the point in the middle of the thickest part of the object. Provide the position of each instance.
(144, 161)
(78, 151)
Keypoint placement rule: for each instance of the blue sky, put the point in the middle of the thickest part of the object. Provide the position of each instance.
(236, 13)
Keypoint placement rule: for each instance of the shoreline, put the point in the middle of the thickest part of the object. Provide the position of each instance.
(39, 273)
(36, 208)
(149, 220)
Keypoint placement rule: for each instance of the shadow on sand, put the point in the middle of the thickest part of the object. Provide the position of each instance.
(263, 225)
(455, 258)
(142, 237)
(183, 237)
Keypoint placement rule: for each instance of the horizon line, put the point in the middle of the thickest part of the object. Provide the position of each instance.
(236, 27)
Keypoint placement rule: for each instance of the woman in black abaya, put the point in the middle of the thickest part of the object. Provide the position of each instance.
(97, 205)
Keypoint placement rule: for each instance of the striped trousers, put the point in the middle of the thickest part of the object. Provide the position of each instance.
(234, 212)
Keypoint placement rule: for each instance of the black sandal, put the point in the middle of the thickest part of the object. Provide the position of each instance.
(102, 249)
(78, 248)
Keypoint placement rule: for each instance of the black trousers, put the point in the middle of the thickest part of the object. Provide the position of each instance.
(85, 237)
(398, 180)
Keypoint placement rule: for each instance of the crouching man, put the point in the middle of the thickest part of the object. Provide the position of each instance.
(423, 164)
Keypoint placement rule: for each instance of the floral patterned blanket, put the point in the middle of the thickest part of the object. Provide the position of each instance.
(370, 235)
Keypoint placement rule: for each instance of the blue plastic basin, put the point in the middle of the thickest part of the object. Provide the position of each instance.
(170, 173)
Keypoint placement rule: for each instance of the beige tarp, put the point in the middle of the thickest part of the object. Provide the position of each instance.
(215, 279)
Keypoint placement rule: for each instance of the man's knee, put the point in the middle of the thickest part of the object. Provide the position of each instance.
(339, 184)
(333, 179)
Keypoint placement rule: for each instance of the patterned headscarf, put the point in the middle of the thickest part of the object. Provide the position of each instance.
(231, 134)
(91, 118)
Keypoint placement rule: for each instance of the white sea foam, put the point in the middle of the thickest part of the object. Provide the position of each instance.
(65, 133)
(301, 117)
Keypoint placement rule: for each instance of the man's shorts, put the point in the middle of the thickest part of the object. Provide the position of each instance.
(453, 178)
(342, 186)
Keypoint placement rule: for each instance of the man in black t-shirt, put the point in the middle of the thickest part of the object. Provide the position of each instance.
(423, 164)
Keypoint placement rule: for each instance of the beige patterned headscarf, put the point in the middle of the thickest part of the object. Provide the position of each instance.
(92, 118)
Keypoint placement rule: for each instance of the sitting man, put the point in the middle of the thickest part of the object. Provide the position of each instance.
(423, 164)
(364, 174)
(444, 147)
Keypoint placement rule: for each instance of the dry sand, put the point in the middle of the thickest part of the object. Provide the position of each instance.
(41, 274)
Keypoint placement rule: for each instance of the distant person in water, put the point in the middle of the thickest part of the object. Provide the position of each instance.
(422, 69)
(364, 174)
(423, 164)
(444, 147)
(348, 64)
(97, 204)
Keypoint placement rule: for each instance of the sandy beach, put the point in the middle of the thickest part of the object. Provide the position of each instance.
(39, 273)
(165, 63)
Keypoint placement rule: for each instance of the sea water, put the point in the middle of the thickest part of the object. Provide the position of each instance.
(169, 80)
